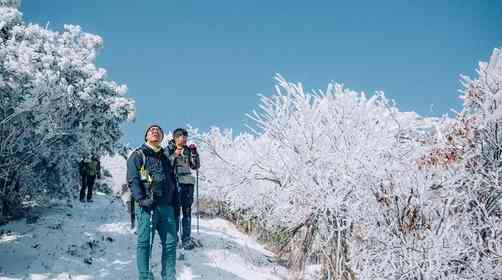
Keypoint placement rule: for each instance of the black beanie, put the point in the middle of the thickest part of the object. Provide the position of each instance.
(154, 125)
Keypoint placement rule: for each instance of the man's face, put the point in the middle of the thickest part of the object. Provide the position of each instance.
(181, 140)
(154, 135)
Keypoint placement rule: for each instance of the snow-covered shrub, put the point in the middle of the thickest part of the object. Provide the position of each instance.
(367, 191)
(56, 106)
(310, 169)
(481, 184)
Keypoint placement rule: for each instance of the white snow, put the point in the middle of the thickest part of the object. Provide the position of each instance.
(63, 239)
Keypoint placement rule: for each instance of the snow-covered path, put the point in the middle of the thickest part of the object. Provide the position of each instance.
(93, 241)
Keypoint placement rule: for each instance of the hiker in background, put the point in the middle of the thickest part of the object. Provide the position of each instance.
(89, 170)
(151, 179)
(184, 158)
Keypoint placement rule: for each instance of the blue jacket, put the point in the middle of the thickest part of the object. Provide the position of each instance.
(163, 186)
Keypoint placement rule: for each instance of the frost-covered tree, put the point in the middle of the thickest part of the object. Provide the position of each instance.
(314, 163)
(481, 185)
(56, 107)
(368, 192)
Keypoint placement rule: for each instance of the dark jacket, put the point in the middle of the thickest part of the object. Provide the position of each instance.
(91, 168)
(163, 185)
(183, 163)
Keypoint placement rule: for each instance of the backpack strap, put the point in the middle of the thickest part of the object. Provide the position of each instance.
(143, 157)
(133, 204)
(144, 173)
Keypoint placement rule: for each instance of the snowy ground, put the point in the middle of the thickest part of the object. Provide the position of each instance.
(93, 241)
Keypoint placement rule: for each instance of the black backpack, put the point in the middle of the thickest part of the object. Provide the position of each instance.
(127, 192)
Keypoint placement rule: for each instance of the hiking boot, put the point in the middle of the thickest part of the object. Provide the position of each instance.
(81, 200)
(188, 246)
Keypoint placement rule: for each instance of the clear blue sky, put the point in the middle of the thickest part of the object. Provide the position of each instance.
(204, 62)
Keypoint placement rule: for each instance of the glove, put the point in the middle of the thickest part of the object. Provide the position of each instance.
(171, 145)
(193, 148)
(147, 203)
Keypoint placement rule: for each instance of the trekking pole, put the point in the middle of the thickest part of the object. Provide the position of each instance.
(178, 233)
(197, 194)
(152, 236)
(151, 232)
